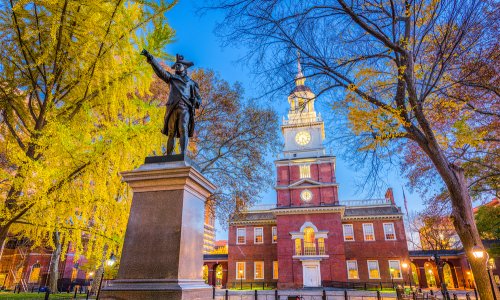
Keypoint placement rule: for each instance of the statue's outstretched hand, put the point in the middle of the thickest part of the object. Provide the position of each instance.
(147, 54)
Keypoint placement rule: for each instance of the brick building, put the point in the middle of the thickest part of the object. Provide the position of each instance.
(310, 237)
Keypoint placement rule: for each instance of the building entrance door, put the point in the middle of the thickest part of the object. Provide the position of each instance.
(311, 274)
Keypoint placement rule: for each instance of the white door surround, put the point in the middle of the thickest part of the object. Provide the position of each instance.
(311, 274)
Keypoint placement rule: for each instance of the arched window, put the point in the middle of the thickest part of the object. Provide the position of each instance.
(429, 275)
(448, 277)
(205, 273)
(309, 244)
(414, 273)
(35, 273)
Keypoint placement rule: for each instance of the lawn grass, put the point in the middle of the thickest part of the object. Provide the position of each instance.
(30, 296)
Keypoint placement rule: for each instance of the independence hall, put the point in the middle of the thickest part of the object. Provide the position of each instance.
(310, 237)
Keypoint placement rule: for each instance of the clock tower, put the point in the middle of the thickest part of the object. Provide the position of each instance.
(306, 174)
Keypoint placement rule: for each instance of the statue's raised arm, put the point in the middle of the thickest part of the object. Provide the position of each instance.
(183, 99)
(160, 72)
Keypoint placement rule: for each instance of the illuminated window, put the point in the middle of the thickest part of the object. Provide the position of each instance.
(321, 246)
(309, 245)
(241, 236)
(395, 269)
(275, 234)
(74, 274)
(258, 270)
(275, 269)
(258, 235)
(240, 270)
(35, 273)
(368, 232)
(373, 270)
(305, 171)
(298, 247)
(348, 232)
(352, 269)
(389, 232)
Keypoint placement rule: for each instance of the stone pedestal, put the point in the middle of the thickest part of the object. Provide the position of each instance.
(163, 250)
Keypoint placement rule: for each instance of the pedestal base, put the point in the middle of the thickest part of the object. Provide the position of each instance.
(162, 253)
(150, 289)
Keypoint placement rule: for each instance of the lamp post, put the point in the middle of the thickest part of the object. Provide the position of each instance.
(437, 260)
(110, 262)
(241, 279)
(478, 253)
(405, 266)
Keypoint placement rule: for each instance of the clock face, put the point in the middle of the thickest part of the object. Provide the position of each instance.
(303, 138)
(306, 195)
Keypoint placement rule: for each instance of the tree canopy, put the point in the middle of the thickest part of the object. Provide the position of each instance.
(68, 125)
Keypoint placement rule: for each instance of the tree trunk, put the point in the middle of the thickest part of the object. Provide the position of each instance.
(97, 279)
(54, 262)
(465, 225)
(462, 216)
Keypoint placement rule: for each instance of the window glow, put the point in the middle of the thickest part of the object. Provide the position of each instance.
(258, 235)
(298, 247)
(352, 269)
(321, 246)
(395, 269)
(241, 236)
(309, 245)
(348, 232)
(368, 232)
(305, 171)
(389, 232)
(275, 269)
(258, 270)
(373, 270)
(275, 234)
(240, 270)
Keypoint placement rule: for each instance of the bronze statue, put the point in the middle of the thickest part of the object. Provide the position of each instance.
(183, 99)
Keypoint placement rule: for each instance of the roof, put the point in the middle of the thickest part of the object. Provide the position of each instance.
(220, 243)
(371, 211)
(252, 216)
(427, 253)
(216, 257)
(300, 88)
(493, 203)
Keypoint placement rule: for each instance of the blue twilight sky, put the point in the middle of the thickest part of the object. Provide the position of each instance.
(195, 39)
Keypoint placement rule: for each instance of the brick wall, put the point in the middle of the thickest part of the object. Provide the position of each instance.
(251, 252)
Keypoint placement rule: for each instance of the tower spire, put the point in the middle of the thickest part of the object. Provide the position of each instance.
(299, 78)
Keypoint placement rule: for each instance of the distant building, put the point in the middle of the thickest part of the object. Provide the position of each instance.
(310, 238)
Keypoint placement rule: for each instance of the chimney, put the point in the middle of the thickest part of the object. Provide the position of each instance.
(390, 196)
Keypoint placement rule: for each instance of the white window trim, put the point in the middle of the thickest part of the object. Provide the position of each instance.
(378, 269)
(244, 235)
(244, 269)
(254, 268)
(274, 229)
(394, 230)
(255, 235)
(400, 271)
(274, 270)
(347, 265)
(364, 232)
(343, 232)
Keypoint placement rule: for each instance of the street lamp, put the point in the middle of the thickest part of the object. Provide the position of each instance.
(405, 266)
(110, 262)
(478, 253)
(437, 260)
(241, 279)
